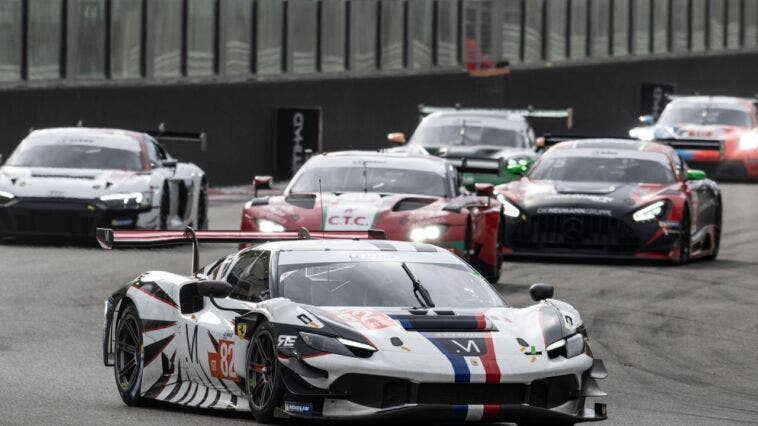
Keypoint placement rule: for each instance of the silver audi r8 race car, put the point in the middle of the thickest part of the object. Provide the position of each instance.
(69, 181)
(344, 329)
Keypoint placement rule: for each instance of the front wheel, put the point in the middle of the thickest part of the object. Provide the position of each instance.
(128, 357)
(264, 384)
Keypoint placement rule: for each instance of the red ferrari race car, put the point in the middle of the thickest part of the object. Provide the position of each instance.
(612, 198)
(411, 198)
(731, 121)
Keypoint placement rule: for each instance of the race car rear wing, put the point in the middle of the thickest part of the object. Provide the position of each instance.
(165, 136)
(110, 238)
(493, 166)
(528, 112)
(549, 140)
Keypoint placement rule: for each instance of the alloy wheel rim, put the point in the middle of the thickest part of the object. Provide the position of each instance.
(127, 353)
(261, 372)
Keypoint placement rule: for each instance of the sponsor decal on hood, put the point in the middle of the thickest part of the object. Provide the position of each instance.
(351, 212)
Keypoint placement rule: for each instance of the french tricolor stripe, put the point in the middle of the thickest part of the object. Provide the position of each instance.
(489, 361)
(460, 368)
(486, 412)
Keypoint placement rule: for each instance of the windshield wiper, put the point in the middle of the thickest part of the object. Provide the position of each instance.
(421, 293)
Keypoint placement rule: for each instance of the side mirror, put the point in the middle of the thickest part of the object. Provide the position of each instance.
(214, 288)
(397, 138)
(169, 162)
(541, 291)
(484, 189)
(647, 120)
(517, 169)
(261, 182)
(694, 174)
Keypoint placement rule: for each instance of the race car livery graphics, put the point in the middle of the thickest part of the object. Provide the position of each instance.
(421, 336)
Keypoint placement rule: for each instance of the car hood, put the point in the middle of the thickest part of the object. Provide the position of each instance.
(599, 198)
(479, 151)
(70, 183)
(350, 211)
(519, 329)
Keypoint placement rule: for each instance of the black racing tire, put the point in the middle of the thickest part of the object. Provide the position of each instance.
(165, 208)
(685, 238)
(717, 233)
(263, 384)
(202, 207)
(128, 362)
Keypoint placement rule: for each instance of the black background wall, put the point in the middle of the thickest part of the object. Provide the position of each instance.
(239, 118)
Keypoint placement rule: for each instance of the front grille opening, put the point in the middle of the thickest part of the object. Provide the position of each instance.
(575, 232)
(460, 393)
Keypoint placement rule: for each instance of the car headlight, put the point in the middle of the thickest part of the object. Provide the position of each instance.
(265, 225)
(568, 347)
(337, 345)
(6, 196)
(651, 212)
(427, 233)
(128, 200)
(508, 208)
(748, 142)
(520, 161)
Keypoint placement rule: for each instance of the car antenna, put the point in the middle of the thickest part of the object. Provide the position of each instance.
(321, 201)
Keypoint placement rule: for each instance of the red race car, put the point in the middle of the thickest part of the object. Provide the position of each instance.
(732, 121)
(411, 198)
(612, 198)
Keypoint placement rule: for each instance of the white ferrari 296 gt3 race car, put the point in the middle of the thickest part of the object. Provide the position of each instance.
(70, 181)
(350, 329)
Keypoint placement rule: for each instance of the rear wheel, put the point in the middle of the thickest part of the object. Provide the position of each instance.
(685, 240)
(264, 384)
(128, 356)
(202, 207)
(165, 207)
(716, 243)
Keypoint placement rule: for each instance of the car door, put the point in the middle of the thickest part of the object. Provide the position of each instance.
(208, 333)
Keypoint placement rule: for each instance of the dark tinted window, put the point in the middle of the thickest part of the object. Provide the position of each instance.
(467, 133)
(677, 115)
(73, 156)
(601, 169)
(384, 284)
(249, 276)
(376, 179)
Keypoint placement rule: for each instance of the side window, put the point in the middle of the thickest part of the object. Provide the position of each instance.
(152, 154)
(249, 276)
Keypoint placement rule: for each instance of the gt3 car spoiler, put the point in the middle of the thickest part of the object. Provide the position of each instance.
(548, 140)
(528, 112)
(162, 135)
(478, 165)
(109, 238)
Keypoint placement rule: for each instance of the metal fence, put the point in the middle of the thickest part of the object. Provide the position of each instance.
(154, 39)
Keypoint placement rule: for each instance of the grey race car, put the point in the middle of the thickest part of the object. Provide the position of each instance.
(69, 181)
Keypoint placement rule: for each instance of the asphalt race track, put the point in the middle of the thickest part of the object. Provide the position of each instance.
(680, 343)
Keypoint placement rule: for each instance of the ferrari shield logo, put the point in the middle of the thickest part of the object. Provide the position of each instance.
(241, 330)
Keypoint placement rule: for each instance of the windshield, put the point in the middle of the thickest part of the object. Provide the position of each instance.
(384, 283)
(73, 156)
(377, 179)
(601, 169)
(704, 115)
(467, 132)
